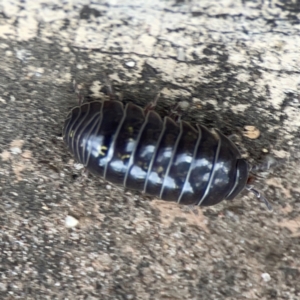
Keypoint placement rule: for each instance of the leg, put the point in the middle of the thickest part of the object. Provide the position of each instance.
(81, 179)
(110, 90)
(77, 91)
(267, 163)
(259, 196)
(152, 104)
(175, 114)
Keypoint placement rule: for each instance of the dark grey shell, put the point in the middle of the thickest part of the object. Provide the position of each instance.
(160, 157)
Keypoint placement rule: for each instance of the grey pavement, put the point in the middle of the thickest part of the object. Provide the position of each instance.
(232, 65)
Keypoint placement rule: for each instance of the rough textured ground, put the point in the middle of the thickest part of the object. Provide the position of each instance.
(229, 64)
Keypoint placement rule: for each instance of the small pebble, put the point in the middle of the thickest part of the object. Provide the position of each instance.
(66, 49)
(266, 277)
(181, 54)
(22, 54)
(71, 222)
(15, 150)
(3, 286)
(130, 64)
(184, 104)
(251, 132)
(78, 166)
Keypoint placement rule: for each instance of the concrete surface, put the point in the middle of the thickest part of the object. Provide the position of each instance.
(229, 64)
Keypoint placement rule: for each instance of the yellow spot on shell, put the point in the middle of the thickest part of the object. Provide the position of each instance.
(126, 156)
(160, 169)
(130, 129)
(102, 150)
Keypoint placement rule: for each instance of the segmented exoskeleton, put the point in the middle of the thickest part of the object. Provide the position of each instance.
(170, 160)
(136, 148)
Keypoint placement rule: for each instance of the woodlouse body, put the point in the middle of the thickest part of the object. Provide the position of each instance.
(171, 160)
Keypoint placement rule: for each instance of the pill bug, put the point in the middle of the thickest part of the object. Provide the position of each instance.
(174, 161)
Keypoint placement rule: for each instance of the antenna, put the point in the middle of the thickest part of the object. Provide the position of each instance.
(259, 196)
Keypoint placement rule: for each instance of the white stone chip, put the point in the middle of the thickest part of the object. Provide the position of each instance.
(130, 64)
(71, 222)
(15, 150)
(266, 277)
